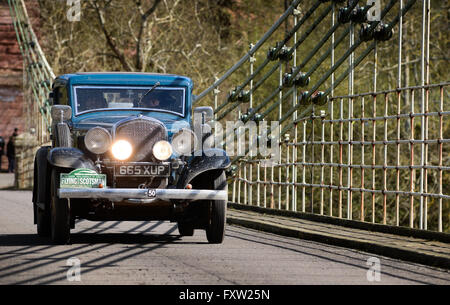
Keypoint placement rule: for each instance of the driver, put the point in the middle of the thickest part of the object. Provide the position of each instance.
(156, 100)
(153, 102)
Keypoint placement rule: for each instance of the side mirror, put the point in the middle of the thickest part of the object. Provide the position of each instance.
(61, 113)
(206, 113)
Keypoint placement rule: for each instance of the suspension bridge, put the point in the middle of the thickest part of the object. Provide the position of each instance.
(362, 165)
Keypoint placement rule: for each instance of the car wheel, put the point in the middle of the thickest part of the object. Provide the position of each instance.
(42, 215)
(185, 229)
(60, 213)
(215, 230)
(43, 223)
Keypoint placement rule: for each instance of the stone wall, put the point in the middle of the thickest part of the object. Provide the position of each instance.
(26, 147)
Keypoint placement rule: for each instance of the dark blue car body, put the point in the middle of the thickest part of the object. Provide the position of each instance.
(192, 193)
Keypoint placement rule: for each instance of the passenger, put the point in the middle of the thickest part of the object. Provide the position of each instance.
(93, 102)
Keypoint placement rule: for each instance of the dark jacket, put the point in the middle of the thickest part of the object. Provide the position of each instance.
(10, 149)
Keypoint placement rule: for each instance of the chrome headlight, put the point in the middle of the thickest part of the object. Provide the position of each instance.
(162, 150)
(97, 140)
(184, 141)
(121, 150)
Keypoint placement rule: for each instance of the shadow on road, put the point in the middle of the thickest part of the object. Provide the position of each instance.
(120, 238)
(81, 244)
(143, 236)
(16, 240)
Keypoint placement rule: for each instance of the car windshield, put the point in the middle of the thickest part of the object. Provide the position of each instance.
(165, 99)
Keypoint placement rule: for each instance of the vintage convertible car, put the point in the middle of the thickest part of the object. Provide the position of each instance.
(127, 146)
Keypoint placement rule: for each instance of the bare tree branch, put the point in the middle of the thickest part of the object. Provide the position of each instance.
(140, 57)
(108, 37)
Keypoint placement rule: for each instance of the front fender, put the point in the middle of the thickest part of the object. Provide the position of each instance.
(69, 157)
(211, 159)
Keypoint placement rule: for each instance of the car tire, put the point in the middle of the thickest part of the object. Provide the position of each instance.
(185, 229)
(60, 213)
(43, 222)
(42, 215)
(215, 230)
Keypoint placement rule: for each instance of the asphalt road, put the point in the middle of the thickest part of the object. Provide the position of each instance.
(154, 253)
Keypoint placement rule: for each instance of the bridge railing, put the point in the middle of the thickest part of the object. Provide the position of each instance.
(374, 150)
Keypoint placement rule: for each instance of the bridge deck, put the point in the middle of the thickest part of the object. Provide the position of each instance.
(433, 250)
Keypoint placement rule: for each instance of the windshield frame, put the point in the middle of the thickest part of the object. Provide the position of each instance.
(75, 98)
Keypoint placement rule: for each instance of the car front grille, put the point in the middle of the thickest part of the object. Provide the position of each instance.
(142, 133)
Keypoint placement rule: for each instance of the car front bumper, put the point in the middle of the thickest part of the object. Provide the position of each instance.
(141, 194)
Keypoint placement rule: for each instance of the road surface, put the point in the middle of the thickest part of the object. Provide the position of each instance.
(154, 253)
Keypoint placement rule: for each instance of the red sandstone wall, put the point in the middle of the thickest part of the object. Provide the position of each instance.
(11, 97)
(10, 57)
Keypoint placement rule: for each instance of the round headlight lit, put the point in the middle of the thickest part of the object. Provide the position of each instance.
(97, 140)
(184, 142)
(162, 150)
(121, 150)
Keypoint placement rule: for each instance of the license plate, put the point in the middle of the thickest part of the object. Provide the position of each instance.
(152, 170)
